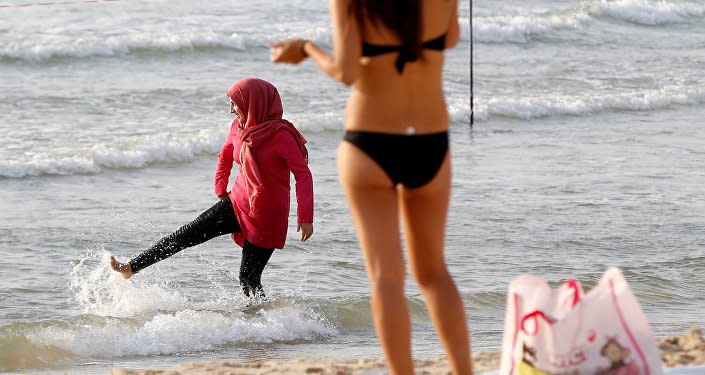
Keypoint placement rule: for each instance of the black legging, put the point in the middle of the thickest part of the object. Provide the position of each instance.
(254, 258)
(216, 221)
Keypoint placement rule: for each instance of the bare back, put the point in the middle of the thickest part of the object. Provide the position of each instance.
(383, 100)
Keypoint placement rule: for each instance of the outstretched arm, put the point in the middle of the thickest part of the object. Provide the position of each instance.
(343, 64)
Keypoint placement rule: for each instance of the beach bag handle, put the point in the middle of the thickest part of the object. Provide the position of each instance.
(577, 296)
(538, 314)
(534, 315)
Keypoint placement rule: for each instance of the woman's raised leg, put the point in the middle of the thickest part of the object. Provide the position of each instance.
(216, 221)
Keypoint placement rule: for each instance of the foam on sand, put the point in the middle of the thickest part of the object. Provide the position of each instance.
(131, 318)
(686, 351)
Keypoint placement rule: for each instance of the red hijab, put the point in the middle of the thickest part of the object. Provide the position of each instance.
(259, 101)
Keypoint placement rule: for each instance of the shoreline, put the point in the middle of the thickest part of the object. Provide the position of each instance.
(685, 350)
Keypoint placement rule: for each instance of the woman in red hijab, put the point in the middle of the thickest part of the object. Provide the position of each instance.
(255, 212)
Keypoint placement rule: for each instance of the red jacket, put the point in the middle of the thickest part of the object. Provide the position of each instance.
(280, 154)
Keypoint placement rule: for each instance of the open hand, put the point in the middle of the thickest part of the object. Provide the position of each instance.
(306, 230)
(288, 51)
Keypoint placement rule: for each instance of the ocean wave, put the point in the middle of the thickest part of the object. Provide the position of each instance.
(167, 39)
(459, 110)
(137, 152)
(523, 25)
(520, 28)
(588, 104)
(134, 155)
(186, 331)
(513, 26)
(131, 318)
(527, 108)
(182, 332)
(158, 39)
(147, 151)
(95, 45)
(18, 352)
(489, 298)
(649, 12)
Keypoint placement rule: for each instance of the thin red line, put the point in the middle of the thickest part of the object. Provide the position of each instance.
(56, 3)
(516, 333)
(626, 328)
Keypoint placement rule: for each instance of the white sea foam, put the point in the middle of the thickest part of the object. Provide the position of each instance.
(123, 37)
(47, 47)
(459, 111)
(181, 332)
(150, 319)
(574, 105)
(140, 152)
(162, 38)
(100, 291)
(586, 104)
(525, 24)
(137, 154)
(157, 150)
(519, 28)
(314, 122)
(650, 12)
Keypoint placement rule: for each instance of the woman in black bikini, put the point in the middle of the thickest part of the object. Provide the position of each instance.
(394, 160)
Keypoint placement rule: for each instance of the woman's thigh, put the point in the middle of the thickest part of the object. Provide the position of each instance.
(424, 212)
(372, 200)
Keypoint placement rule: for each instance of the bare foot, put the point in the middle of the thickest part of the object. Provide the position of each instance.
(124, 268)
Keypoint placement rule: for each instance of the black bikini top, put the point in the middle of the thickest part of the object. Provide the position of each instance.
(370, 50)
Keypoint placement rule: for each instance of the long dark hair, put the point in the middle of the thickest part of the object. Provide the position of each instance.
(402, 17)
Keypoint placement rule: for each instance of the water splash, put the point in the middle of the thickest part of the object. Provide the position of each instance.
(101, 291)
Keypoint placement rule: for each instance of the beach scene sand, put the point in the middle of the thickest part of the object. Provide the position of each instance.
(586, 152)
(684, 354)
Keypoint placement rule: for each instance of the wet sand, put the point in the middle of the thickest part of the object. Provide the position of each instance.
(676, 351)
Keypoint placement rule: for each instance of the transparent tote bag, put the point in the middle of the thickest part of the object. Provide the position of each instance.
(564, 331)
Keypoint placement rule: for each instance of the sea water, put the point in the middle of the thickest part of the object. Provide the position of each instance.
(587, 151)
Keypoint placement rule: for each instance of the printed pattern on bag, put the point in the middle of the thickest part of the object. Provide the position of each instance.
(619, 359)
(617, 355)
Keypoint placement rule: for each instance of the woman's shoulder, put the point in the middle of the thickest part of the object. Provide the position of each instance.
(287, 141)
(283, 137)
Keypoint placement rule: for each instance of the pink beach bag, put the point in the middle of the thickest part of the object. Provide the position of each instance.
(563, 331)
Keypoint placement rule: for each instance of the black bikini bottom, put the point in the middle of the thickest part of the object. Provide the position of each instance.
(410, 160)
